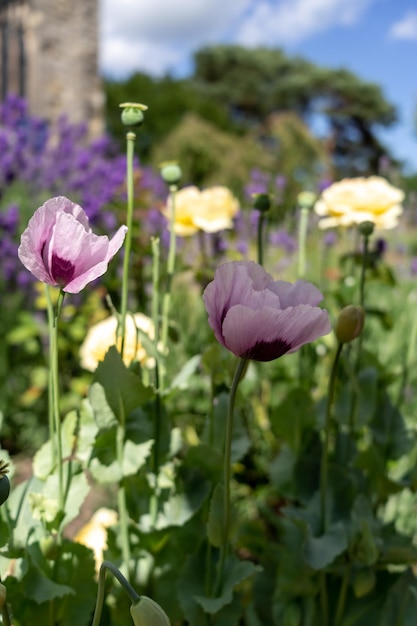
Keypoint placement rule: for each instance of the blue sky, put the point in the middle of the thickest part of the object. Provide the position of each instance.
(375, 39)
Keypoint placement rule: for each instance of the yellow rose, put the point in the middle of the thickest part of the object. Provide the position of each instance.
(102, 336)
(210, 210)
(356, 200)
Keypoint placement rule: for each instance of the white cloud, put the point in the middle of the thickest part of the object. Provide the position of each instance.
(291, 21)
(406, 27)
(156, 36)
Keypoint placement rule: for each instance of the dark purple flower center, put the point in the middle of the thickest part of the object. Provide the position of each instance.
(267, 350)
(62, 271)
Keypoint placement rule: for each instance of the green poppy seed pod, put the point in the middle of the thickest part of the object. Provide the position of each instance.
(4, 482)
(132, 113)
(350, 323)
(261, 202)
(306, 199)
(366, 228)
(147, 612)
(171, 173)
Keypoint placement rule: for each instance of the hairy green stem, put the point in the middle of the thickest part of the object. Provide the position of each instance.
(130, 147)
(342, 596)
(54, 379)
(155, 319)
(302, 241)
(260, 235)
(107, 566)
(227, 470)
(166, 300)
(121, 498)
(324, 469)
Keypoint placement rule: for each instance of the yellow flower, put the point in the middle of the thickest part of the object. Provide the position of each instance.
(102, 336)
(210, 210)
(356, 200)
(94, 534)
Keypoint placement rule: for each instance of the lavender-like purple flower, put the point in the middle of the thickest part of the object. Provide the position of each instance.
(59, 248)
(258, 318)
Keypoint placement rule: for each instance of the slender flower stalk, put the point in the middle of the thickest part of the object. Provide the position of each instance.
(155, 318)
(130, 147)
(166, 300)
(365, 230)
(227, 469)
(55, 421)
(324, 470)
(262, 204)
(305, 201)
(107, 566)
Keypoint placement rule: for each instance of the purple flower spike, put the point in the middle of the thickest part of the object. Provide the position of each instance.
(258, 318)
(59, 248)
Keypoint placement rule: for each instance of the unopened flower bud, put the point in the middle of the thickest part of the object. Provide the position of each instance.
(171, 172)
(147, 612)
(4, 482)
(261, 202)
(366, 228)
(349, 324)
(132, 113)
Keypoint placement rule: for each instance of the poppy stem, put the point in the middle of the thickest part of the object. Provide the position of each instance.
(166, 300)
(227, 470)
(55, 422)
(260, 246)
(107, 566)
(130, 148)
(302, 240)
(324, 470)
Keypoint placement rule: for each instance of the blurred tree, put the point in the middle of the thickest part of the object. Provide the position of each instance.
(254, 83)
(168, 101)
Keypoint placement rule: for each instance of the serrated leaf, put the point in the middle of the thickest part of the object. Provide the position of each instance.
(236, 572)
(124, 390)
(135, 456)
(43, 464)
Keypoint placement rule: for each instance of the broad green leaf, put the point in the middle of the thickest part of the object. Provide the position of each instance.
(43, 464)
(236, 572)
(181, 380)
(321, 551)
(295, 414)
(123, 389)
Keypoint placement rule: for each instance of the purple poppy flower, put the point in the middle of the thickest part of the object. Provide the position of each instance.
(258, 318)
(59, 248)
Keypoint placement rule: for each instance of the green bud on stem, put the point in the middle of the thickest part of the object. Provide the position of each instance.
(132, 113)
(261, 202)
(171, 172)
(350, 323)
(147, 612)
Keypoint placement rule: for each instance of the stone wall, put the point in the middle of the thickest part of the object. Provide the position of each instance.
(49, 55)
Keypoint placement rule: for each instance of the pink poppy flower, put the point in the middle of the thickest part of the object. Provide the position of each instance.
(59, 248)
(258, 318)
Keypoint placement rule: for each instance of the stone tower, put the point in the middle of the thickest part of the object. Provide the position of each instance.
(49, 55)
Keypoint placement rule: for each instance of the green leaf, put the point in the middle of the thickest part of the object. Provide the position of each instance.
(36, 585)
(104, 416)
(295, 414)
(135, 456)
(181, 380)
(321, 551)
(215, 522)
(236, 572)
(43, 464)
(123, 389)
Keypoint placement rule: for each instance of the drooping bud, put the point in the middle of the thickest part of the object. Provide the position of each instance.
(261, 202)
(171, 172)
(147, 612)
(350, 323)
(132, 113)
